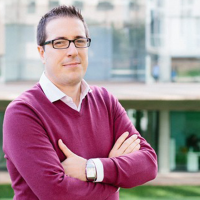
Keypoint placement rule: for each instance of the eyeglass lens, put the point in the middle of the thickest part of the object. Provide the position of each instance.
(61, 43)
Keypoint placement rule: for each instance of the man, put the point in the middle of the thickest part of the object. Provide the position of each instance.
(64, 139)
(155, 72)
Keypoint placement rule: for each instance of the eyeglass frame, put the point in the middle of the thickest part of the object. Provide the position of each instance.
(52, 42)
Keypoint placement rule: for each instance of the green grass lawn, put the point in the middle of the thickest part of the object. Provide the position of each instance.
(6, 192)
(161, 192)
(138, 193)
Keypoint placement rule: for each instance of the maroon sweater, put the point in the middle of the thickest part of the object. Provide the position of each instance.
(32, 127)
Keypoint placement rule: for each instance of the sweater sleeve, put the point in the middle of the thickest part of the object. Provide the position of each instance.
(132, 169)
(27, 145)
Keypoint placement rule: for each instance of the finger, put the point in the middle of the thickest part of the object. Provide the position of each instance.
(135, 146)
(64, 149)
(120, 140)
(128, 142)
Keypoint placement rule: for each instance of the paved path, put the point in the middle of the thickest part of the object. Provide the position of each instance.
(161, 179)
(139, 96)
(122, 90)
(177, 179)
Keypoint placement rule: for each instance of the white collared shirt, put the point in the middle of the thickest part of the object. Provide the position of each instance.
(53, 93)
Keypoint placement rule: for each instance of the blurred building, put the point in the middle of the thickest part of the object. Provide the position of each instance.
(153, 42)
(116, 28)
(173, 54)
(173, 38)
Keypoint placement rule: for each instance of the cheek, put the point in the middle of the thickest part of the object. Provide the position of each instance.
(50, 65)
(53, 59)
(84, 57)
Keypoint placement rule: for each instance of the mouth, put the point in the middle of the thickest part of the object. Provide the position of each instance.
(72, 64)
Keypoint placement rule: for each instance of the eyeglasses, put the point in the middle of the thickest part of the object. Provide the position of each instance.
(65, 43)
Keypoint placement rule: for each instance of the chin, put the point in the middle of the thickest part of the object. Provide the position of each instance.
(73, 81)
(72, 78)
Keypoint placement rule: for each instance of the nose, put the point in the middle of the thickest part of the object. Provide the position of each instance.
(72, 50)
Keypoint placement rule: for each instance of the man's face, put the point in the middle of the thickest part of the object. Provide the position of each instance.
(64, 67)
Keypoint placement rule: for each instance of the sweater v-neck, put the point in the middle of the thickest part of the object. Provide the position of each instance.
(67, 109)
(64, 106)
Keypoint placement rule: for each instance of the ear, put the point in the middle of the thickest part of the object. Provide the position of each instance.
(42, 53)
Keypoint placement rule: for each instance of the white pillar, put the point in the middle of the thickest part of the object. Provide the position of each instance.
(164, 142)
(165, 68)
(165, 49)
(148, 77)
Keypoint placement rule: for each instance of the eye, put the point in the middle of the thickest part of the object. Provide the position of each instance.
(81, 41)
(60, 43)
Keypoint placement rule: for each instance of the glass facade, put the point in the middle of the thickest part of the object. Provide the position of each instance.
(31, 6)
(146, 122)
(173, 40)
(124, 34)
(185, 141)
(129, 51)
(117, 30)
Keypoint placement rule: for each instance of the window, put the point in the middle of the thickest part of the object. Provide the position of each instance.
(160, 3)
(105, 5)
(78, 4)
(190, 2)
(197, 32)
(53, 4)
(198, 26)
(133, 5)
(31, 6)
(186, 140)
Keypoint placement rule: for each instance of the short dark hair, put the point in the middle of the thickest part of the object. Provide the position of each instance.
(60, 11)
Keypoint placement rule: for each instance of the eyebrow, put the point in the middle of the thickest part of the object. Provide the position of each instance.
(77, 37)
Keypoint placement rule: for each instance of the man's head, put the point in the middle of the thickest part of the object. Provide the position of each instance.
(61, 11)
(61, 35)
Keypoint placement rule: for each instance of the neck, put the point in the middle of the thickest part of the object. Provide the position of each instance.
(73, 91)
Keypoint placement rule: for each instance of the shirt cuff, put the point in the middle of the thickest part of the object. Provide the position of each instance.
(99, 168)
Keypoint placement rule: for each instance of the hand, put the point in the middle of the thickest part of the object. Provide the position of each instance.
(73, 165)
(124, 146)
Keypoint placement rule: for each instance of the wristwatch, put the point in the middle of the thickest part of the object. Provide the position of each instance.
(91, 173)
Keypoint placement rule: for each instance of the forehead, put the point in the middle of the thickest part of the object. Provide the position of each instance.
(69, 27)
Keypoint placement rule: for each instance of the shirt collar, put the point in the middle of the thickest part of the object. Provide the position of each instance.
(53, 93)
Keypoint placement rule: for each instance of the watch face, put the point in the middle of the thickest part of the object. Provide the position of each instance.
(91, 173)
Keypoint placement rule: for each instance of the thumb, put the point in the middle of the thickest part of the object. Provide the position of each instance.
(64, 149)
